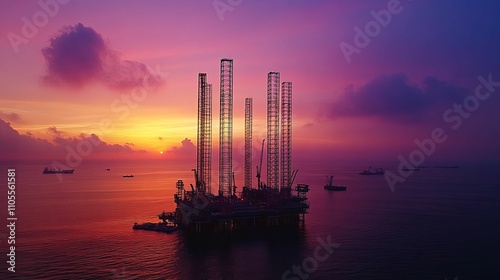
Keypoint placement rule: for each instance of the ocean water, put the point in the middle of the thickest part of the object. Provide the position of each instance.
(438, 224)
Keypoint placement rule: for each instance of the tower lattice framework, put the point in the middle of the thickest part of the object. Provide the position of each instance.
(204, 135)
(226, 127)
(273, 107)
(286, 135)
(248, 141)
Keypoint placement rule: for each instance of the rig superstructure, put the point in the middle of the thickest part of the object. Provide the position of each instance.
(273, 204)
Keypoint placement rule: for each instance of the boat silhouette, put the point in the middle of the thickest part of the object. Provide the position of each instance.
(378, 171)
(331, 187)
(58, 171)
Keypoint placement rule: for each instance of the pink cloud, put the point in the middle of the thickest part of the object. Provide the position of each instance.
(11, 117)
(186, 151)
(16, 146)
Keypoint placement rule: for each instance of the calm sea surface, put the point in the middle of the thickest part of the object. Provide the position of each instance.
(438, 224)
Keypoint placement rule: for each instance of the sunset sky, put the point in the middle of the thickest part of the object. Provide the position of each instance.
(122, 75)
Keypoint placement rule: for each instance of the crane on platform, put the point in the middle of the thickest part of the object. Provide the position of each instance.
(196, 179)
(234, 186)
(259, 167)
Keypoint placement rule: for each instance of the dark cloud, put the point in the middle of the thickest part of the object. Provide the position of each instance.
(78, 56)
(393, 97)
(18, 146)
(187, 150)
(98, 145)
(11, 117)
(55, 131)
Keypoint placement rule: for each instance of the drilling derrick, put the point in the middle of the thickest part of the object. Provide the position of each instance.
(269, 206)
(204, 136)
(273, 106)
(286, 135)
(209, 139)
(248, 142)
(226, 127)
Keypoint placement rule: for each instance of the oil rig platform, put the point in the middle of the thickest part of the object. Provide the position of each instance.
(272, 204)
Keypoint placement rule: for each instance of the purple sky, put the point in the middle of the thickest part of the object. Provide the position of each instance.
(79, 63)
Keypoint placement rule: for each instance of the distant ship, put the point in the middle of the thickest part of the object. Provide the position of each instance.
(331, 187)
(128, 176)
(59, 171)
(378, 171)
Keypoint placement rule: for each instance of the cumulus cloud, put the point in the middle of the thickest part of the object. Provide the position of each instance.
(393, 97)
(98, 146)
(11, 117)
(18, 146)
(187, 150)
(54, 130)
(15, 143)
(79, 56)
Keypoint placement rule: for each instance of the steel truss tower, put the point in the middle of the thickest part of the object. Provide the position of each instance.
(204, 136)
(226, 127)
(286, 135)
(273, 107)
(248, 142)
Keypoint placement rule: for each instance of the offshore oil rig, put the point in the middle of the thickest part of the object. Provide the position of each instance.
(271, 204)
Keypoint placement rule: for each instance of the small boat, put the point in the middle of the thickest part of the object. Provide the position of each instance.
(108, 169)
(331, 187)
(59, 171)
(161, 227)
(166, 225)
(378, 171)
(411, 169)
(128, 176)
